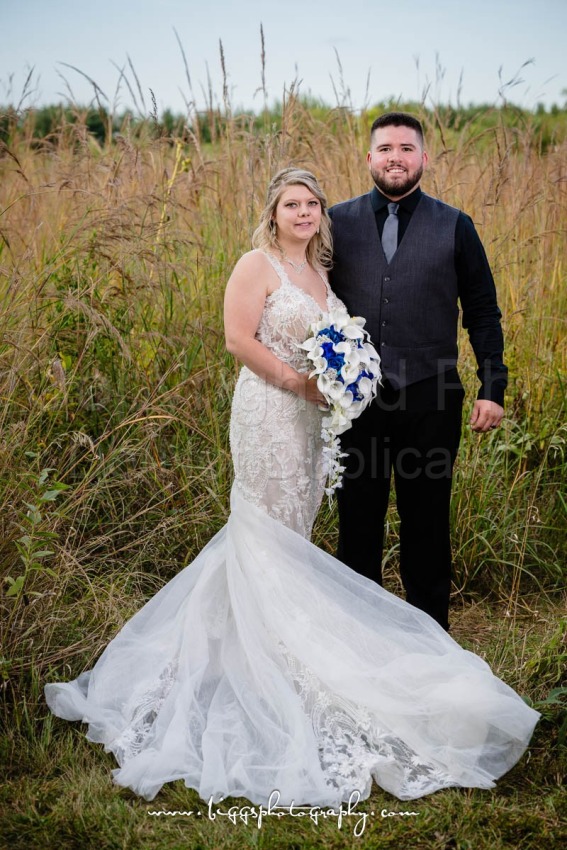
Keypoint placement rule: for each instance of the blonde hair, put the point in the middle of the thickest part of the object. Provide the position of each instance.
(320, 247)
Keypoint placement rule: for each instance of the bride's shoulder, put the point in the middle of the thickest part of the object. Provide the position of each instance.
(254, 260)
(257, 265)
(252, 271)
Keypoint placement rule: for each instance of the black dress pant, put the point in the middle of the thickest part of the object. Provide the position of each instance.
(414, 433)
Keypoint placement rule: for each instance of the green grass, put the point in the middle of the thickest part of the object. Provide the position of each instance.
(58, 790)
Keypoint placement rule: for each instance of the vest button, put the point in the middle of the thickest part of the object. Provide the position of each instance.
(384, 324)
(387, 279)
(386, 301)
(382, 344)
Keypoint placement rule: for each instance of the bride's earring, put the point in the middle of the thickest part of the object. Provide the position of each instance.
(317, 230)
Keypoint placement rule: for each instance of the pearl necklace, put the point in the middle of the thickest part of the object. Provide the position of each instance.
(297, 267)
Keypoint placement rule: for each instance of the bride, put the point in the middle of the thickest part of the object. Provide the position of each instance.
(266, 664)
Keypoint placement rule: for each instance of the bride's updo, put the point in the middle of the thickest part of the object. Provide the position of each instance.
(320, 248)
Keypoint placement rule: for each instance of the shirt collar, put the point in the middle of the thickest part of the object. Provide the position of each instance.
(409, 203)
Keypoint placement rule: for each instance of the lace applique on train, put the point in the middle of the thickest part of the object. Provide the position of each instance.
(145, 709)
(353, 746)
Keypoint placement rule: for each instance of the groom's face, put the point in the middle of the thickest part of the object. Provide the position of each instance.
(396, 160)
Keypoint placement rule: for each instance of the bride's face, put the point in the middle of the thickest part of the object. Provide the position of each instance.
(297, 215)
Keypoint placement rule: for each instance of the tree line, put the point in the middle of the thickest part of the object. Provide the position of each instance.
(545, 126)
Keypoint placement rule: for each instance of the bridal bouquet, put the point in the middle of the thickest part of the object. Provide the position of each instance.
(348, 371)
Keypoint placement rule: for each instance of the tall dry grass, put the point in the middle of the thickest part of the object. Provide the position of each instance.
(115, 380)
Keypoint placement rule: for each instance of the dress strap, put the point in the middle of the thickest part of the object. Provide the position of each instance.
(277, 267)
(325, 278)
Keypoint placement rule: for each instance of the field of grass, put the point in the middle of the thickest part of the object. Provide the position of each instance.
(114, 461)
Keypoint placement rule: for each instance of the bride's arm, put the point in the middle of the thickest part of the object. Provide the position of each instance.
(245, 296)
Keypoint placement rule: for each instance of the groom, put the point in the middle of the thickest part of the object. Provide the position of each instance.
(404, 261)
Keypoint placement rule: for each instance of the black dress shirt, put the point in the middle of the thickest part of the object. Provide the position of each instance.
(477, 295)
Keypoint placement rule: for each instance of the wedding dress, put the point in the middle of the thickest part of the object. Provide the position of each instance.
(266, 664)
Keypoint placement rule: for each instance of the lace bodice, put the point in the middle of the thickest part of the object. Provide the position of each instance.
(288, 313)
(275, 436)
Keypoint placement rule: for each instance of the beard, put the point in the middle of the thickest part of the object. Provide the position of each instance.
(396, 187)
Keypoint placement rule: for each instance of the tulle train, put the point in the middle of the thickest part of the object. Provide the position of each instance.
(266, 664)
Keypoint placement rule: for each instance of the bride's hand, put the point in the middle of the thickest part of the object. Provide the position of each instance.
(310, 392)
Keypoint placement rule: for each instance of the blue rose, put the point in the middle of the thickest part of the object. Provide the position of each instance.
(336, 362)
(333, 334)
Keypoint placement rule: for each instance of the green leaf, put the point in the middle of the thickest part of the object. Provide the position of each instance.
(51, 495)
(15, 585)
(557, 696)
(43, 553)
(25, 540)
(33, 514)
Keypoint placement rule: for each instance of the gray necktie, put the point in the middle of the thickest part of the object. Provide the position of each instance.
(390, 232)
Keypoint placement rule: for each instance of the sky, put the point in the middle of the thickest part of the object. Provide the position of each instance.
(347, 52)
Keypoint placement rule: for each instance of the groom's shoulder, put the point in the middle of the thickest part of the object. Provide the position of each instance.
(437, 204)
(352, 207)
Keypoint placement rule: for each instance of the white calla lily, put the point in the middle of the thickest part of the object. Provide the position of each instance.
(310, 344)
(353, 332)
(335, 390)
(349, 373)
(354, 357)
(319, 364)
(324, 382)
(365, 387)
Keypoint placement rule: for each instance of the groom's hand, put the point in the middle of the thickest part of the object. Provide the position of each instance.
(486, 415)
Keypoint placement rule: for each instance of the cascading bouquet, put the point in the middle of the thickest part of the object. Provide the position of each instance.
(348, 372)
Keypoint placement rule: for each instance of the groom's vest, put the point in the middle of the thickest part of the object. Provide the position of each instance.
(410, 305)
